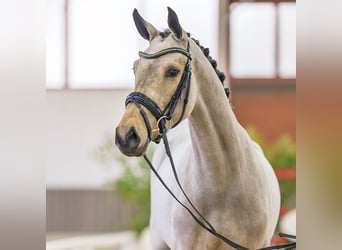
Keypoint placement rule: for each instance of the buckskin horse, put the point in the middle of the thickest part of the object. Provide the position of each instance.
(224, 172)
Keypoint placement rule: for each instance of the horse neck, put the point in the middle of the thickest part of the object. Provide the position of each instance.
(218, 140)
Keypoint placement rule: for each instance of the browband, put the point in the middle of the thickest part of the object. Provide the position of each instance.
(164, 52)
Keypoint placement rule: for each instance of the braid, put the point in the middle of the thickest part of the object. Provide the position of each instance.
(213, 63)
(205, 51)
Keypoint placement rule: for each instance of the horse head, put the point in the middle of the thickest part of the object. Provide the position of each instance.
(162, 96)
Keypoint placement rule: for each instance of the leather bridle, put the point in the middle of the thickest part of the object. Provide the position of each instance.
(161, 116)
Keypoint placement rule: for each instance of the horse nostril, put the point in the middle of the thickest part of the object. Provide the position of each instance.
(132, 138)
(118, 139)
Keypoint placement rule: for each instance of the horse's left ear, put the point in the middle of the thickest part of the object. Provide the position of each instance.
(174, 25)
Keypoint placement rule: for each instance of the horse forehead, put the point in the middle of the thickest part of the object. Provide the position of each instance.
(152, 66)
(160, 43)
(148, 68)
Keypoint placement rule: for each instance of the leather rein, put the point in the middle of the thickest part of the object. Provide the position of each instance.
(163, 115)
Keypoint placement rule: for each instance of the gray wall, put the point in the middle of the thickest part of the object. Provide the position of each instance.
(86, 211)
(78, 122)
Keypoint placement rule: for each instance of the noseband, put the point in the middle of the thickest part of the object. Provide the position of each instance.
(161, 116)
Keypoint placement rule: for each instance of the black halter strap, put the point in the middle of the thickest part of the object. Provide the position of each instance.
(162, 115)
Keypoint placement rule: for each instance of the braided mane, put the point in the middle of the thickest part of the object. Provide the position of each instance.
(213, 63)
(205, 51)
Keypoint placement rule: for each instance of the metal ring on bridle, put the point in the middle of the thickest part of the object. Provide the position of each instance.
(165, 127)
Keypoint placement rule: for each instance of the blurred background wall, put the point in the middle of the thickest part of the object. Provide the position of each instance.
(91, 46)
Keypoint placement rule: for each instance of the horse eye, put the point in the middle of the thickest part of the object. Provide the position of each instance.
(171, 72)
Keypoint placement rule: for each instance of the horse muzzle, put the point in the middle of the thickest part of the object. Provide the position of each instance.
(129, 142)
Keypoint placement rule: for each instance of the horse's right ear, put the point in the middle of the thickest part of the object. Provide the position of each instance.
(174, 25)
(145, 29)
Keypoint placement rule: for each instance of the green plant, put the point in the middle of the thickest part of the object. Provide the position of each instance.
(281, 154)
(133, 184)
(134, 187)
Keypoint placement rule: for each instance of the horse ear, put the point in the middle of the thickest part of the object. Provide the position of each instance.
(173, 23)
(145, 29)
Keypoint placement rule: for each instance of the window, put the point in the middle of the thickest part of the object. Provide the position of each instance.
(83, 49)
(93, 43)
(95, 52)
(262, 40)
(55, 56)
(287, 40)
